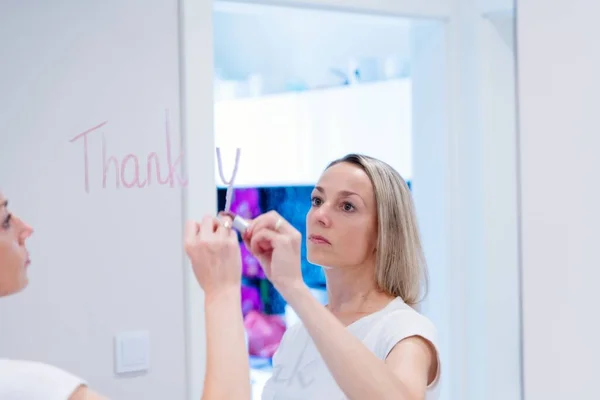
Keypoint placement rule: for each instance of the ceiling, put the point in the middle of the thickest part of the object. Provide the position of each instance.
(285, 45)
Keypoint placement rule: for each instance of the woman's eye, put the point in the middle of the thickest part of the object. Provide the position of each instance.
(348, 207)
(315, 201)
(6, 222)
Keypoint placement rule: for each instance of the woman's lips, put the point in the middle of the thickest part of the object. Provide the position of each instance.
(317, 239)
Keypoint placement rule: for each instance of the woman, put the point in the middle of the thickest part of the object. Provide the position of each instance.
(24, 380)
(210, 246)
(368, 342)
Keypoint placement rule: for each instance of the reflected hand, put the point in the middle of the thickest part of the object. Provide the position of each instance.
(213, 249)
(276, 245)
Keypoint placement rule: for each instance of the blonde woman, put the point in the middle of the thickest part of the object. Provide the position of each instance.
(210, 247)
(368, 342)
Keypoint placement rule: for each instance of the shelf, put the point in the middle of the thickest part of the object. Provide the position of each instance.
(291, 137)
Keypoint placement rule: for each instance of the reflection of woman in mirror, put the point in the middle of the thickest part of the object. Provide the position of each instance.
(24, 379)
(368, 342)
(28, 380)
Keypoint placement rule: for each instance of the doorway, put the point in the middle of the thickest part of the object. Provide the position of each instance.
(296, 88)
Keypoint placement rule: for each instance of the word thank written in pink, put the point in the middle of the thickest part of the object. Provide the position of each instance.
(127, 171)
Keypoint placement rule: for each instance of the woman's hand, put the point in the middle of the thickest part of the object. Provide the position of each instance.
(214, 251)
(276, 245)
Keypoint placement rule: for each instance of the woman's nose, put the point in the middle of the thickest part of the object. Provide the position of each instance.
(322, 215)
(26, 232)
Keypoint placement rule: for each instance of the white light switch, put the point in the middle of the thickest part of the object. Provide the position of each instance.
(132, 352)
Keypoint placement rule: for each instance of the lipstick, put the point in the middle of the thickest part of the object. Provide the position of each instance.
(239, 223)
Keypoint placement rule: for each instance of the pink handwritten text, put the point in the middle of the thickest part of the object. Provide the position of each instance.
(127, 172)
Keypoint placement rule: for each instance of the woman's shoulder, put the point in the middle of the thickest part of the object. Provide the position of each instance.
(402, 315)
(401, 321)
(396, 322)
(397, 309)
(31, 380)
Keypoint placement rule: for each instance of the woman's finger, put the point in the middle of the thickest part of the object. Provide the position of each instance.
(225, 225)
(262, 221)
(232, 235)
(191, 231)
(271, 220)
(247, 239)
(263, 240)
(208, 226)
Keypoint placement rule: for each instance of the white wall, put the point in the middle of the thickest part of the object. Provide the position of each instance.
(558, 107)
(290, 138)
(105, 260)
(465, 193)
(430, 144)
(487, 206)
(196, 63)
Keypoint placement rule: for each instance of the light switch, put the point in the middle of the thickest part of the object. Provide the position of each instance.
(132, 352)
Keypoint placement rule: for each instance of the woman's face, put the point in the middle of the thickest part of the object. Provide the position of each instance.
(342, 222)
(14, 258)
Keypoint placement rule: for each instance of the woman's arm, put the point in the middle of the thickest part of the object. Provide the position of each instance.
(227, 366)
(85, 393)
(214, 252)
(358, 372)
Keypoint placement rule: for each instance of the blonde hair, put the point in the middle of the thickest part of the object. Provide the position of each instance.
(401, 269)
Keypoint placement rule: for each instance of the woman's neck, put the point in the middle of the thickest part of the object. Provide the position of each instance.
(353, 289)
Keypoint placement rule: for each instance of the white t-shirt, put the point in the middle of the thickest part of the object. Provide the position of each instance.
(27, 380)
(299, 372)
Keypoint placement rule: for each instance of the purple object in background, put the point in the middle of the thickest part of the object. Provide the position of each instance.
(246, 203)
(250, 266)
(250, 300)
